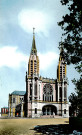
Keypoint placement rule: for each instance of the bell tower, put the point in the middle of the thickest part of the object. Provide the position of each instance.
(62, 81)
(61, 71)
(33, 64)
(32, 79)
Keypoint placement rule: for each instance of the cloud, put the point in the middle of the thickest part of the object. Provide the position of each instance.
(47, 59)
(10, 57)
(33, 18)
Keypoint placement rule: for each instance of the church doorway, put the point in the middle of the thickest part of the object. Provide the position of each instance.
(49, 110)
(18, 111)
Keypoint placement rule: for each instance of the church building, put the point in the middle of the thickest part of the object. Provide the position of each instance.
(44, 97)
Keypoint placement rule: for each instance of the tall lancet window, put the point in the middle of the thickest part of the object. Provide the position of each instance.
(30, 89)
(65, 95)
(35, 89)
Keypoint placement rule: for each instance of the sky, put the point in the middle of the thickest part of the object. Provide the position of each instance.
(17, 19)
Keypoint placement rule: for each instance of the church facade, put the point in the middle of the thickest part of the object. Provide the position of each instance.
(44, 97)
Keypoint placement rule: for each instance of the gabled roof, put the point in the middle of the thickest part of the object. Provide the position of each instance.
(18, 93)
(47, 80)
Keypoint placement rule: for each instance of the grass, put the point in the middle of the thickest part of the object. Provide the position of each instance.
(26, 126)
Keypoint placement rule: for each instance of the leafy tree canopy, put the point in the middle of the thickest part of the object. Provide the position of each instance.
(73, 99)
(72, 25)
(78, 89)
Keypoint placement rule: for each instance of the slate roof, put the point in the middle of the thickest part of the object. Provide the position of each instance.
(18, 93)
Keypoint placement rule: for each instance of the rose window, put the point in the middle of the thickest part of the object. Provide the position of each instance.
(47, 89)
(48, 93)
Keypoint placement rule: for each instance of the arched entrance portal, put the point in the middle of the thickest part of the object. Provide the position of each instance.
(49, 110)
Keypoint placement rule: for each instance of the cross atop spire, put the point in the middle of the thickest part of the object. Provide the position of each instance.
(33, 31)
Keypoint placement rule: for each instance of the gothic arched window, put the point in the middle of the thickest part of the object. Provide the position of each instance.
(64, 92)
(64, 111)
(35, 88)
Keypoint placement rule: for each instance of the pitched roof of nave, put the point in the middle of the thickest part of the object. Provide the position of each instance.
(47, 80)
(21, 93)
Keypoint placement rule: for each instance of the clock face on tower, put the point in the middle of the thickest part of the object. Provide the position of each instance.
(48, 89)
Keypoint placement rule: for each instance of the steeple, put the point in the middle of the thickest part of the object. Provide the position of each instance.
(61, 71)
(33, 50)
(61, 50)
(33, 65)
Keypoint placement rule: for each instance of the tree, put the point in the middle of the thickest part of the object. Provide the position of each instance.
(71, 25)
(78, 89)
(73, 109)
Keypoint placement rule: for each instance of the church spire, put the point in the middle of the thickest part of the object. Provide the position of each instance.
(61, 50)
(33, 50)
(33, 65)
(62, 65)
